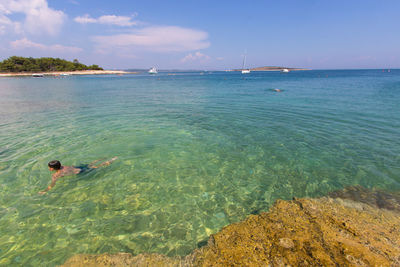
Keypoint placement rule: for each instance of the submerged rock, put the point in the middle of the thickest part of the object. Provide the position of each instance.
(373, 197)
(302, 232)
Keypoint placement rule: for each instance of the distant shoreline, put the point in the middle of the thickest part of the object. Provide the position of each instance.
(271, 69)
(59, 73)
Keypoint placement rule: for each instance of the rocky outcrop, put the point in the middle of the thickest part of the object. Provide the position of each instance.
(302, 232)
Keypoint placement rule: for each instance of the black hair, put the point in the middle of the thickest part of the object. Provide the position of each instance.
(55, 164)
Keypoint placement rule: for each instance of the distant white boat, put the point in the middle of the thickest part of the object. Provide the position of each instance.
(37, 75)
(64, 74)
(284, 70)
(153, 70)
(244, 71)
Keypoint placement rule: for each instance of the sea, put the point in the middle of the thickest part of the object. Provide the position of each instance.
(196, 151)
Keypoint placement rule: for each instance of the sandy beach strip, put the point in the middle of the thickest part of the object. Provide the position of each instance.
(58, 73)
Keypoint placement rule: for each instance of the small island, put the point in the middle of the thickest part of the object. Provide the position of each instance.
(22, 66)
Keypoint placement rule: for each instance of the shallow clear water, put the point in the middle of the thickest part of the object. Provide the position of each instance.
(195, 153)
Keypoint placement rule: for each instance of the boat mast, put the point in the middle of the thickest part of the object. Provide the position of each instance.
(244, 59)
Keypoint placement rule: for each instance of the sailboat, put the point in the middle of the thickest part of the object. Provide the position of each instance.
(153, 70)
(245, 71)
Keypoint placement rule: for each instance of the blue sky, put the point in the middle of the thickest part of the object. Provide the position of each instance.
(318, 34)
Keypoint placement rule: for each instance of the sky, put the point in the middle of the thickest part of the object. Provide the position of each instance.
(207, 35)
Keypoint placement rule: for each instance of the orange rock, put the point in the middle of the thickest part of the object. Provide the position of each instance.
(301, 232)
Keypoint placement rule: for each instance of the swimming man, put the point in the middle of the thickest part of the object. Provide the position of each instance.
(61, 171)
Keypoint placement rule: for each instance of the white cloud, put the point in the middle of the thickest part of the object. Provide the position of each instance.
(39, 17)
(195, 57)
(85, 19)
(73, 2)
(5, 22)
(155, 39)
(3, 9)
(25, 43)
(107, 19)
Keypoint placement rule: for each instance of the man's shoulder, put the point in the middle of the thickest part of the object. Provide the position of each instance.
(64, 171)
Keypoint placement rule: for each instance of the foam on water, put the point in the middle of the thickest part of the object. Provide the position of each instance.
(195, 153)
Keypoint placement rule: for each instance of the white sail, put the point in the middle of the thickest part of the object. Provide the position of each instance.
(245, 71)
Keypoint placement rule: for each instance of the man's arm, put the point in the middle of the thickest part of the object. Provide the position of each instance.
(53, 183)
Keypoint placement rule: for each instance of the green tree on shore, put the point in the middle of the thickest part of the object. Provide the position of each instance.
(23, 64)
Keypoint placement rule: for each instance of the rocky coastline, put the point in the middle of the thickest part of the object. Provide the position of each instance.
(351, 227)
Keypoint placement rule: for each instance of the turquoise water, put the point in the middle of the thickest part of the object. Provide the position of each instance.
(195, 153)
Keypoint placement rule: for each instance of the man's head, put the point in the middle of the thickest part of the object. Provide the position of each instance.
(54, 165)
